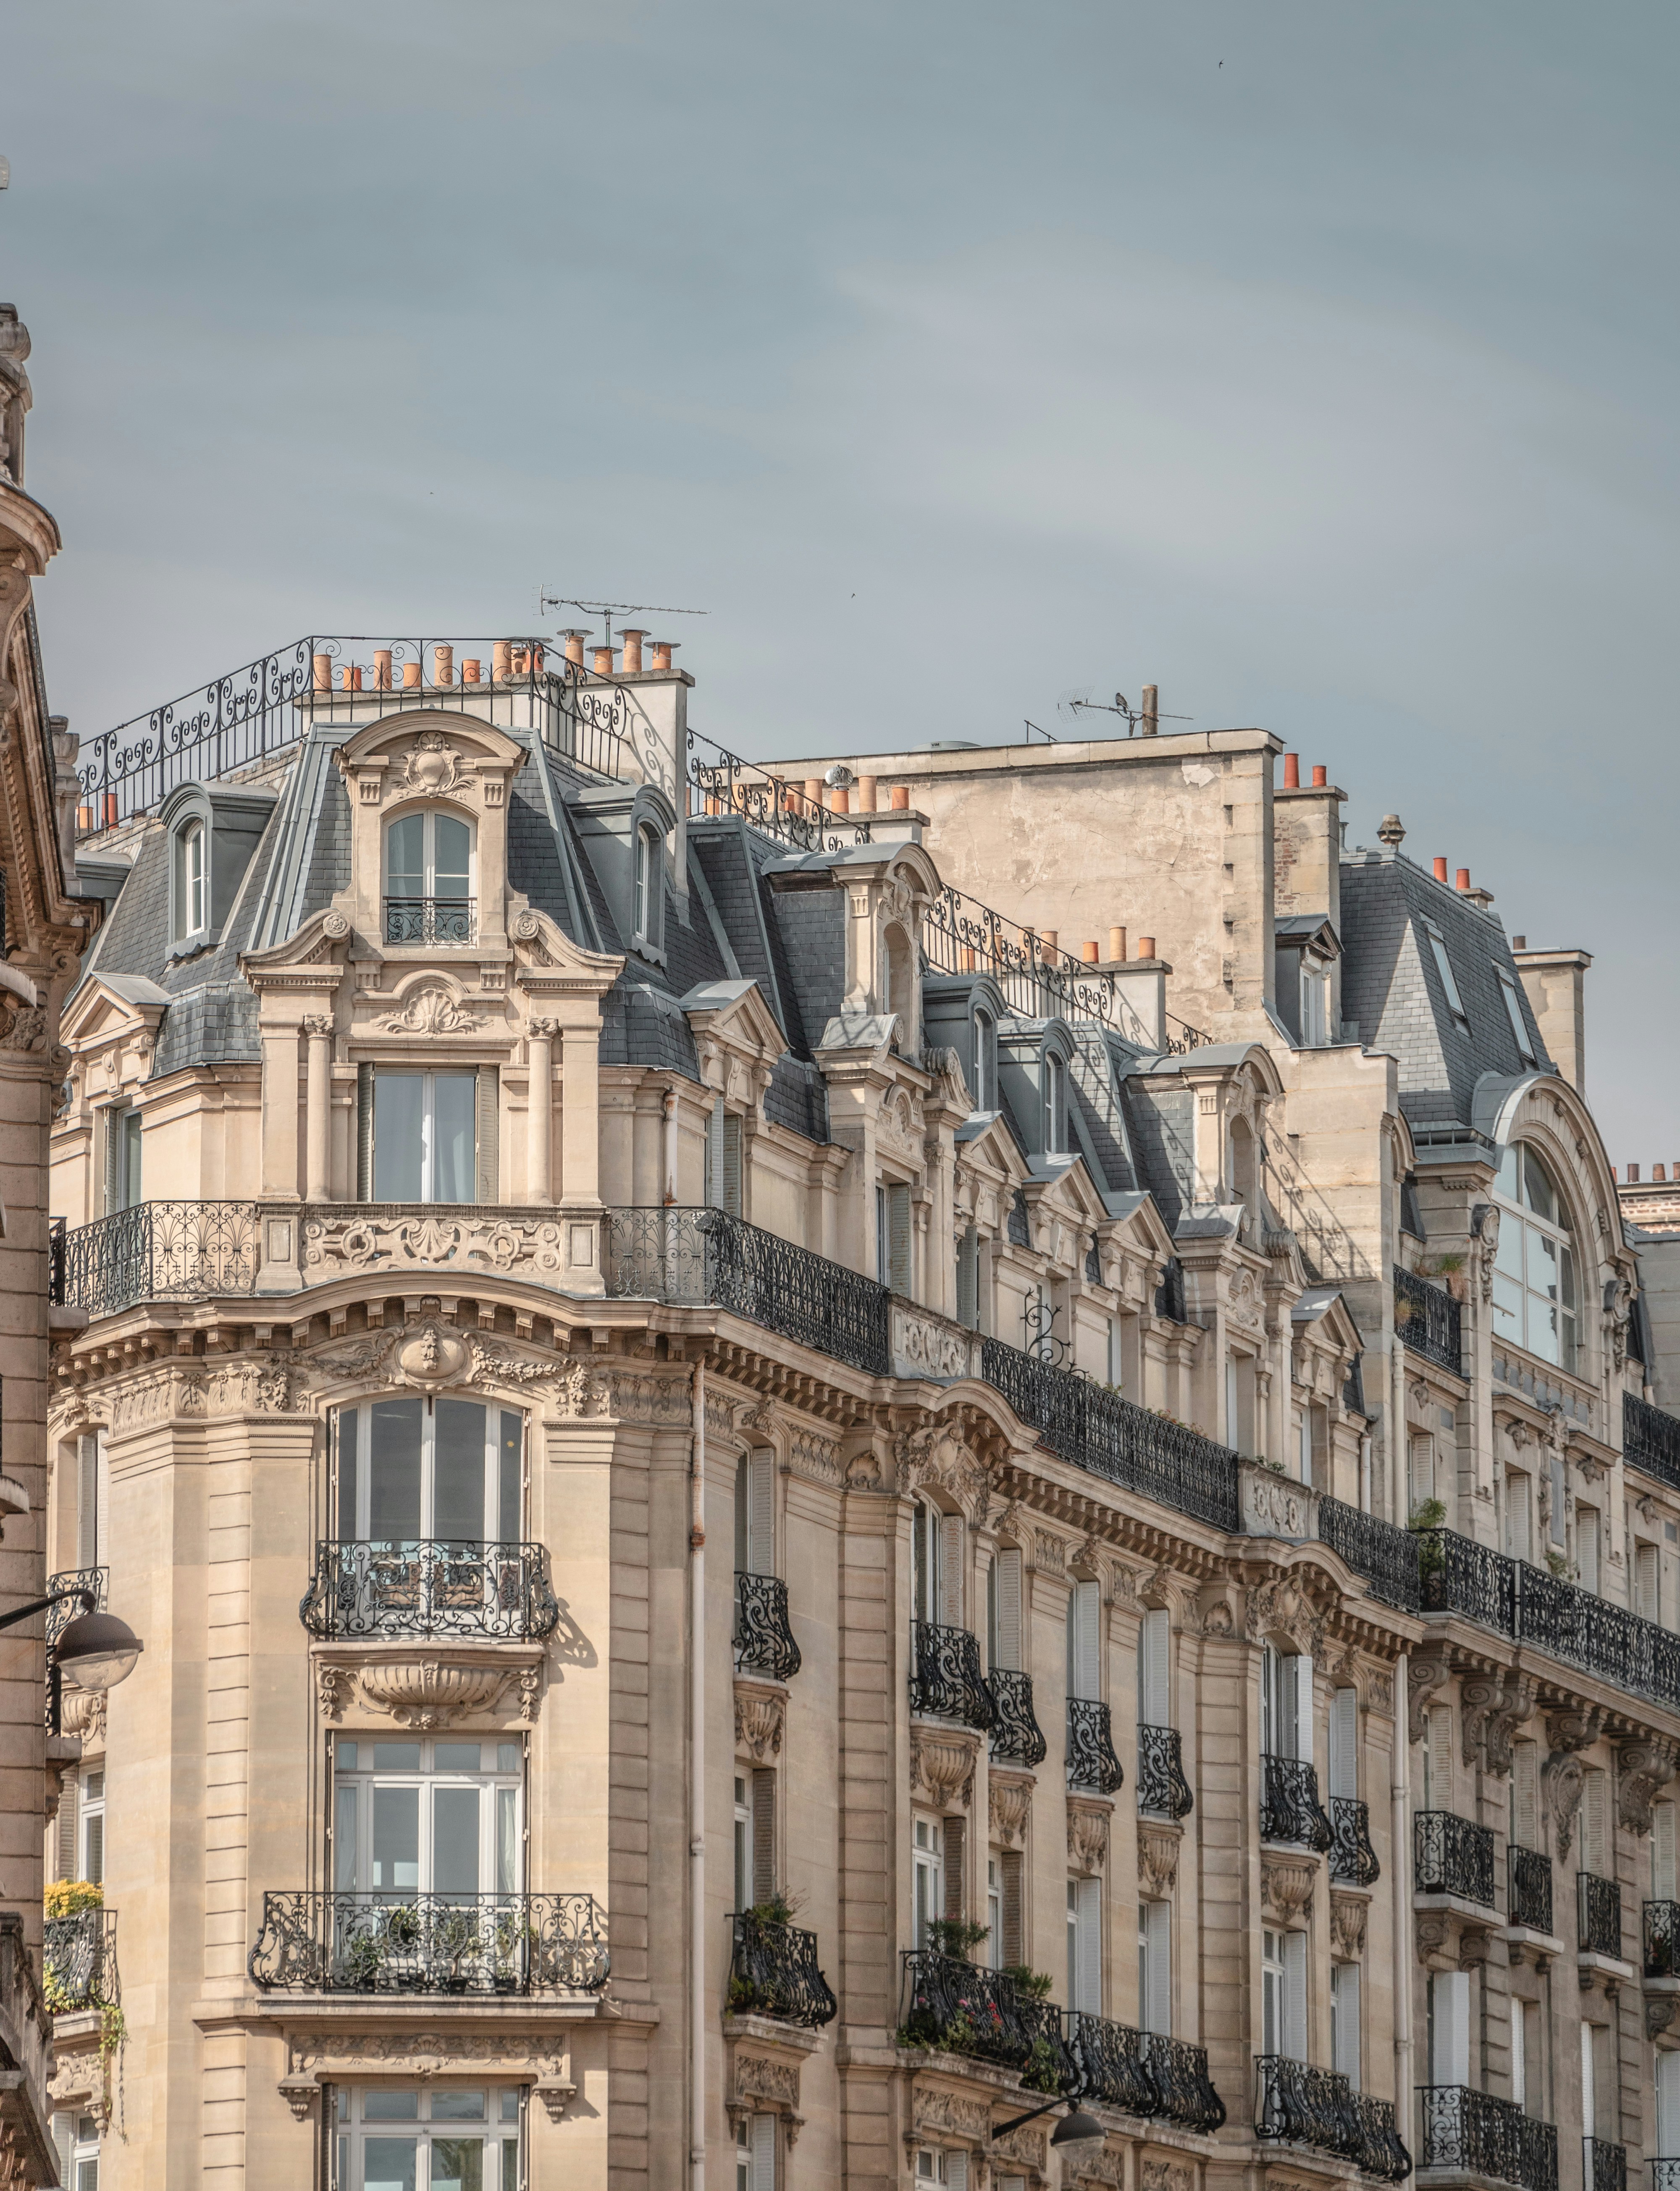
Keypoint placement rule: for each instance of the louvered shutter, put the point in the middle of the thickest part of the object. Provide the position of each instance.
(715, 1154)
(1157, 2006)
(1671, 1590)
(489, 1105)
(1450, 2027)
(1271, 1729)
(67, 1803)
(1345, 1742)
(1647, 1588)
(956, 1869)
(1008, 1572)
(1345, 1978)
(63, 2136)
(1595, 1835)
(1084, 1666)
(956, 2171)
(1088, 1947)
(113, 1123)
(1586, 1548)
(1518, 1509)
(1668, 2103)
(950, 1570)
(1662, 1853)
(1520, 2054)
(761, 1511)
(898, 1263)
(1014, 1951)
(1295, 1996)
(1556, 1524)
(1438, 1762)
(1525, 1795)
(968, 1279)
(764, 2153)
(732, 1200)
(1154, 1643)
(1589, 2096)
(364, 1132)
(87, 1500)
(764, 1833)
(1301, 1666)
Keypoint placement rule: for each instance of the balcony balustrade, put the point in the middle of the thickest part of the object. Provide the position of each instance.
(1382, 2149)
(78, 1961)
(318, 1941)
(1353, 1860)
(1528, 1889)
(946, 1680)
(959, 2008)
(1473, 2134)
(1666, 2175)
(1017, 1737)
(1298, 2104)
(773, 1972)
(1452, 1855)
(160, 1251)
(431, 920)
(1428, 1320)
(94, 1581)
(1163, 1792)
(1384, 1556)
(1604, 2167)
(1289, 1809)
(1091, 1762)
(1143, 2073)
(1661, 1930)
(1600, 1914)
(1650, 1439)
(367, 1590)
(764, 1641)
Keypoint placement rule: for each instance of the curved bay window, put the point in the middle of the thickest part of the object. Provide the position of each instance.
(429, 896)
(1535, 1301)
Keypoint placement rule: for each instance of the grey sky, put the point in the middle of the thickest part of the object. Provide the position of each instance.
(953, 357)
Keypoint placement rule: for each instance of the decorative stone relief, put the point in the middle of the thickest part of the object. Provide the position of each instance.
(1579, 1730)
(1660, 2010)
(943, 2113)
(1105, 2165)
(1052, 1552)
(82, 1714)
(431, 1011)
(1429, 1671)
(1281, 1607)
(1165, 2176)
(1010, 1800)
(765, 2083)
(1643, 1767)
(432, 767)
(1024, 2147)
(495, 2057)
(761, 1714)
(427, 1693)
(942, 1767)
(1273, 1506)
(1087, 1835)
(935, 1457)
(431, 1354)
(1347, 1927)
(1494, 1706)
(349, 1240)
(1563, 1781)
(658, 1401)
(925, 1345)
(1158, 1859)
(815, 1457)
(1287, 1887)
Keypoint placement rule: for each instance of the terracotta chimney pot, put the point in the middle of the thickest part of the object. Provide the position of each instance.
(1519, 942)
(443, 665)
(966, 959)
(469, 670)
(1117, 943)
(662, 652)
(1089, 953)
(603, 661)
(343, 677)
(1440, 866)
(501, 655)
(814, 790)
(1048, 938)
(574, 644)
(1633, 1175)
(382, 668)
(84, 817)
(111, 810)
(1320, 776)
(632, 638)
(901, 799)
(411, 676)
(1463, 882)
(1657, 1172)
(323, 673)
(1291, 771)
(839, 799)
(1146, 947)
(866, 795)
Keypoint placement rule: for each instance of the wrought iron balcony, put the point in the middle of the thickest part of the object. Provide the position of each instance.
(1428, 1319)
(369, 1590)
(314, 1941)
(1289, 1809)
(1353, 1860)
(1474, 2134)
(160, 1251)
(1143, 2073)
(431, 920)
(1091, 1762)
(1384, 1556)
(1017, 1737)
(962, 2009)
(1650, 1439)
(1600, 1913)
(95, 1581)
(1452, 1855)
(946, 1680)
(1661, 1929)
(773, 1972)
(764, 1641)
(78, 1961)
(55, 1239)
(1528, 1889)
(1299, 2104)
(1666, 2175)
(1604, 2167)
(1178, 2079)
(1163, 1792)
(1382, 2149)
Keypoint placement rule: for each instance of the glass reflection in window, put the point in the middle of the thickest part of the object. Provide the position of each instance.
(1535, 1296)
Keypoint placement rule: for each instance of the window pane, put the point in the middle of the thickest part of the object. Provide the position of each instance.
(455, 1096)
(347, 1422)
(456, 1756)
(507, 1841)
(455, 1836)
(396, 1756)
(399, 1132)
(458, 2163)
(457, 2107)
(344, 1835)
(1537, 1188)
(510, 2164)
(388, 2164)
(452, 856)
(390, 2107)
(396, 1841)
(458, 1471)
(405, 857)
(394, 1470)
(509, 1502)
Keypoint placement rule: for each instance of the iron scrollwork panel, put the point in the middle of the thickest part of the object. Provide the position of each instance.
(1017, 1737)
(1162, 1788)
(430, 1586)
(764, 1641)
(947, 1682)
(773, 1972)
(1353, 1860)
(1091, 1762)
(1289, 1809)
(314, 1941)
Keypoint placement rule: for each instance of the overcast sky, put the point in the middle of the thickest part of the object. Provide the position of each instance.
(1314, 362)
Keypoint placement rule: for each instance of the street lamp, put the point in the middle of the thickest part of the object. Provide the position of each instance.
(99, 1649)
(1076, 2128)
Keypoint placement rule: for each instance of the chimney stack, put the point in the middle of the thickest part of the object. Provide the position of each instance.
(382, 668)
(1117, 943)
(1463, 883)
(574, 644)
(1321, 778)
(1146, 947)
(1152, 710)
(662, 652)
(632, 639)
(603, 661)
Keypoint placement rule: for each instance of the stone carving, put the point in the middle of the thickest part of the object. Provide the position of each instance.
(1484, 1230)
(349, 1240)
(1347, 1927)
(1165, 2176)
(1434, 1930)
(428, 1692)
(1494, 1706)
(26, 1029)
(1157, 1859)
(81, 1713)
(433, 766)
(1563, 1781)
(942, 1766)
(1282, 1608)
(761, 1714)
(936, 1456)
(925, 1346)
(1087, 1835)
(1643, 1767)
(1052, 1552)
(1010, 1802)
(1272, 1505)
(1099, 2164)
(500, 2055)
(1024, 2146)
(1578, 1730)
(947, 2114)
(814, 1457)
(655, 1400)
(431, 1011)
(1287, 1886)
(1429, 1671)
(431, 1354)
(1660, 2010)
(762, 2077)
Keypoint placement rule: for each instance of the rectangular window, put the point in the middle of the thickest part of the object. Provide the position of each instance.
(1155, 1645)
(427, 1816)
(1084, 1946)
(995, 1910)
(952, 1541)
(928, 1865)
(1525, 1795)
(1646, 1588)
(425, 1136)
(1597, 1833)
(439, 2138)
(1286, 1704)
(91, 1827)
(76, 2139)
(743, 1842)
(1663, 1852)
(1668, 2103)
(1450, 2028)
(1518, 1517)
(410, 1470)
(1513, 1012)
(968, 1277)
(1154, 1967)
(1345, 1742)
(1420, 1466)
(1004, 1611)
(1114, 1372)
(1084, 1616)
(121, 1159)
(755, 1513)
(1438, 1758)
(1519, 2055)
(723, 1160)
(92, 1500)
(1587, 1547)
(1011, 1865)
(1443, 967)
(899, 1235)
(1314, 1004)
(1589, 2083)
(1344, 2021)
(1272, 1992)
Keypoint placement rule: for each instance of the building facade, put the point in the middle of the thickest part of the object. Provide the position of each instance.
(782, 1528)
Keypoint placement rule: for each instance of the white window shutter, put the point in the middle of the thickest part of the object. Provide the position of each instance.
(1087, 1670)
(1346, 1976)
(487, 1105)
(898, 1262)
(956, 2171)
(1668, 2103)
(1301, 1704)
(1595, 1823)
(1295, 1996)
(968, 1279)
(764, 2153)
(761, 1511)
(1439, 1758)
(1156, 2007)
(1662, 1854)
(1271, 1732)
(1154, 1643)
(1344, 1742)
(1520, 2054)
(1009, 1609)
(951, 1533)
(1649, 1603)
(86, 1499)
(1088, 1948)
(714, 1155)
(1586, 1548)
(732, 1200)
(1589, 2096)
(1525, 1795)
(1450, 2020)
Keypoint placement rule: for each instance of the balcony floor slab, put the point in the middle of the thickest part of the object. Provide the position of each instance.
(1537, 1943)
(1611, 1965)
(1456, 1905)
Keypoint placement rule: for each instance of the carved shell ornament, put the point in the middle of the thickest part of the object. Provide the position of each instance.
(432, 1011)
(434, 766)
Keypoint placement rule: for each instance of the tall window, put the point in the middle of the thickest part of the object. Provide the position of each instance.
(1085, 1640)
(1314, 1003)
(1344, 2021)
(91, 1826)
(1283, 1994)
(927, 1862)
(1668, 2103)
(121, 1159)
(428, 880)
(411, 1469)
(77, 2140)
(190, 909)
(1154, 1967)
(984, 1090)
(1286, 1704)
(755, 2153)
(425, 1137)
(1084, 1946)
(1443, 967)
(936, 1552)
(968, 1276)
(1345, 1744)
(391, 2141)
(1535, 1297)
(723, 1159)
(1055, 1103)
(1155, 1645)
(1513, 1012)
(894, 1229)
(1003, 1612)
(755, 1837)
(1450, 2027)
(1587, 1547)
(647, 902)
(426, 1817)
(1525, 1795)
(755, 1513)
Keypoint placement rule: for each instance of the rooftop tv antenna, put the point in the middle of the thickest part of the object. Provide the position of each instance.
(610, 609)
(1073, 704)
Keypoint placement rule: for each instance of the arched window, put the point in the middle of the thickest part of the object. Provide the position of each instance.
(191, 915)
(647, 900)
(985, 1052)
(897, 993)
(429, 895)
(1534, 1295)
(1055, 1103)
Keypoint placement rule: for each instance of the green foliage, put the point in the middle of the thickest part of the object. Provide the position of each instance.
(778, 1907)
(1035, 1984)
(1428, 1514)
(63, 1897)
(955, 1935)
(1044, 2067)
(1558, 1565)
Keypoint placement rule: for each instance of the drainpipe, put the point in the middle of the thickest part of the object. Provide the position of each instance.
(1399, 1461)
(671, 1146)
(1401, 1873)
(696, 1784)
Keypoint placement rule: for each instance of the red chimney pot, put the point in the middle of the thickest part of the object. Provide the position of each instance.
(1291, 771)
(1440, 866)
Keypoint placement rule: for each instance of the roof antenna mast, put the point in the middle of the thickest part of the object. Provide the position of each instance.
(610, 609)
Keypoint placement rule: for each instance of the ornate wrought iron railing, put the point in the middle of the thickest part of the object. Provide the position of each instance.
(314, 1941)
(160, 1251)
(94, 1581)
(1661, 1928)
(1650, 1439)
(1178, 2078)
(1382, 2149)
(429, 1586)
(945, 1677)
(764, 1641)
(1353, 1860)
(1428, 1320)
(1452, 1855)
(1162, 1788)
(1091, 1762)
(55, 1246)
(706, 1257)
(1666, 2175)
(1528, 1889)
(773, 1972)
(1017, 1737)
(431, 920)
(1109, 2059)
(1049, 2065)
(961, 2009)
(1384, 1556)
(1479, 2135)
(1456, 1575)
(78, 1961)
(722, 782)
(1301, 2105)
(1604, 2167)
(1094, 1428)
(1599, 1909)
(1289, 1809)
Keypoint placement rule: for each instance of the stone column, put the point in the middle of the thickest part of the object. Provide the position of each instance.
(539, 1111)
(317, 1172)
(579, 1128)
(279, 1113)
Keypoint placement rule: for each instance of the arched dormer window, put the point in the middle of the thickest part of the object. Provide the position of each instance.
(648, 912)
(1535, 1299)
(1055, 1103)
(191, 915)
(985, 1088)
(428, 880)
(897, 981)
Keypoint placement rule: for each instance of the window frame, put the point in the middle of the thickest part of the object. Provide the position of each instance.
(428, 1077)
(354, 1875)
(1526, 1049)
(497, 2131)
(428, 817)
(1444, 968)
(190, 923)
(1520, 1224)
(984, 1037)
(497, 1463)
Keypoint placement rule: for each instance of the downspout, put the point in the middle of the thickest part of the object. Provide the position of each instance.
(696, 1784)
(669, 1196)
(1399, 1461)
(1400, 1872)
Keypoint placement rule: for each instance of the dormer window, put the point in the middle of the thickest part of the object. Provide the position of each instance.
(649, 902)
(985, 1059)
(428, 894)
(1443, 967)
(1519, 1026)
(1315, 993)
(191, 918)
(1055, 1104)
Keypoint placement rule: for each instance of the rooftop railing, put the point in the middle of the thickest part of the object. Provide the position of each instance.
(1650, 1439)
(1428, 1320)
(720, 782)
